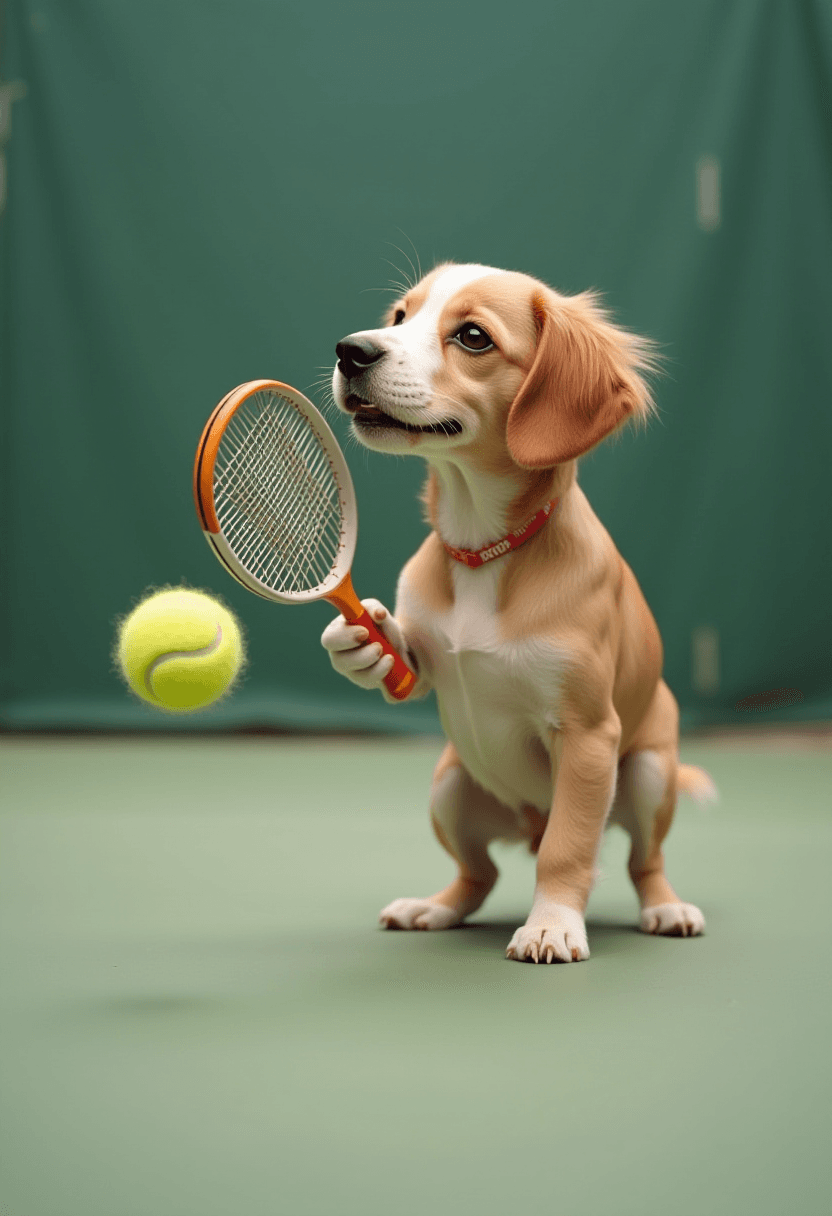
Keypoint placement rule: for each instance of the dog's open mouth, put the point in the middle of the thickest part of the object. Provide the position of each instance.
(365, 414)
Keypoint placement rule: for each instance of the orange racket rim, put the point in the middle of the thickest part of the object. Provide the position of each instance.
(205, 485)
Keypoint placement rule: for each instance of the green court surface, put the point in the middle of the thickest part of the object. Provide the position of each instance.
(200, 1016)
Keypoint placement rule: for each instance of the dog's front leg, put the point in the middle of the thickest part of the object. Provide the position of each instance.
(585, 764)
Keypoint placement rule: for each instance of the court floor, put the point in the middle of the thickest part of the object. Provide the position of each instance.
(200, 1016)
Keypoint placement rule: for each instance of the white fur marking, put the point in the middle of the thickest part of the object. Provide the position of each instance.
(647, 784)
(673, 920)
(553, 932)
(498, 699)
(472, 508)
(410, 913)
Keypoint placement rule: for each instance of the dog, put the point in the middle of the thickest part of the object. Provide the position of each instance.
(518, 609)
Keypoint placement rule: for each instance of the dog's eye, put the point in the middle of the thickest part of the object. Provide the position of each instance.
(472, 337)
(399, 317)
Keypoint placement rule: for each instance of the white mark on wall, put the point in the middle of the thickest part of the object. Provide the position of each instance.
(708, 200)
(705, 659)
(11, 91)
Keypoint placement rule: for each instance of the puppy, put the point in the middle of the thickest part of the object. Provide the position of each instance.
(518, 610)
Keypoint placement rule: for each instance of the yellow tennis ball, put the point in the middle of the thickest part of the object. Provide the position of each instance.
(180, 649)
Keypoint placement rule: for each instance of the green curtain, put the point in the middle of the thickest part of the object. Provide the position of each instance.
(199, 193)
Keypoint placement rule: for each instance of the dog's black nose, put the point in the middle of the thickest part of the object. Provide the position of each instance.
(355, 355)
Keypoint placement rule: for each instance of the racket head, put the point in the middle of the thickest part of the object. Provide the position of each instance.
(274, 494)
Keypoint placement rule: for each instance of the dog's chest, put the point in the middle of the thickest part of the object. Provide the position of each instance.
(498, 696)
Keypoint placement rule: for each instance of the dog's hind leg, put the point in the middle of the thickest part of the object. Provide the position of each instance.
(645, 802)
(466, 819)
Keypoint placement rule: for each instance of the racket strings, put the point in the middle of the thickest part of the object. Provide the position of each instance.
(277, 496)
(297, 485)
(289, 531)
(279, 544)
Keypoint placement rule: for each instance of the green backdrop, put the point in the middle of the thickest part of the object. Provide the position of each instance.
(199, 193)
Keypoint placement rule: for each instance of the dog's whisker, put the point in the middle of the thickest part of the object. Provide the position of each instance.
(330, 406)
(451, 402)
(399, 270)
(322, 387)
(399, 287)
(415, 250)
(405, 255)
(319, 389)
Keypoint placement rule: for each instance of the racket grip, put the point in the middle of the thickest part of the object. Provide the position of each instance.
(400, 680)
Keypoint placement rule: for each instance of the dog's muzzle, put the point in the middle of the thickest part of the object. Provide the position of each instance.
(356, 355)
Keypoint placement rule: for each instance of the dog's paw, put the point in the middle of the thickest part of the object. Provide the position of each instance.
(673, 920)
(353, 655)
(418, 914)
(561, 940)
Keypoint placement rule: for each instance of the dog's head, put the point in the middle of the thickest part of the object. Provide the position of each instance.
(474, 359)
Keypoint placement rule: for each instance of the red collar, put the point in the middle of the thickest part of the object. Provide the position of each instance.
(478, 557)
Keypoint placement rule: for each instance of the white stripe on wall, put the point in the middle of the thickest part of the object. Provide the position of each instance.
(708, 202)
(705, 659)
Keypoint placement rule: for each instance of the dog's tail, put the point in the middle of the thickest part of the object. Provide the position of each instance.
(696, 782)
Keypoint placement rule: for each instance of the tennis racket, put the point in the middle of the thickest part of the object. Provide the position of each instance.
(276, 502)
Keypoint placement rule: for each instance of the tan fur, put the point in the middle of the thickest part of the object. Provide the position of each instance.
(583, 384)
(600, 731)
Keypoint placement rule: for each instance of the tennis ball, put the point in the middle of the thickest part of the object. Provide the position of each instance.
(180, 649)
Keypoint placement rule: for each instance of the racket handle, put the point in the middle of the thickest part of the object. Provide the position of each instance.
(399, 680)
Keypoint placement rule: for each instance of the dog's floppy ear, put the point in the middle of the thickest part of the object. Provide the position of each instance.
(583, 384)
